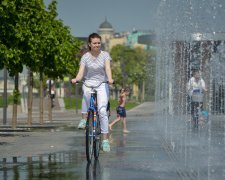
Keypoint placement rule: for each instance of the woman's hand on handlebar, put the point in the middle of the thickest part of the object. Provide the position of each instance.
(74, 81)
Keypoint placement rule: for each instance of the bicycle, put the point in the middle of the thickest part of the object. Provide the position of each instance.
(196, 113)
(197, 103)
(93, 127)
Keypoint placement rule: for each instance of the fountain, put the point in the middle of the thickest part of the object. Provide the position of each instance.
(190, 36)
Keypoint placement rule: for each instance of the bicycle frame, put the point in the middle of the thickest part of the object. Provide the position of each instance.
(92, 106)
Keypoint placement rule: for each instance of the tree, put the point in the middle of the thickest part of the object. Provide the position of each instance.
(30, 35)
(11, 43)
(135, 65)
(135, 62)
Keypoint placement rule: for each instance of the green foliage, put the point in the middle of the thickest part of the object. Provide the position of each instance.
(135, 64)
(129, 104)
(31, 35)
(139, 64)
(9, 100)
(16, 94)
(73, 103)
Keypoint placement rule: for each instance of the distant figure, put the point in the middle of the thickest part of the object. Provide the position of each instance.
(52, 95)
(196, 86)
(121, 111)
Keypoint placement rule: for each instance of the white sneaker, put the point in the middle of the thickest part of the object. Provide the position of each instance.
(105, 145)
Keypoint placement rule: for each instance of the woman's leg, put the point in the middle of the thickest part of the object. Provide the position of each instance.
(102, 98)
(85, 103)
(85, 100)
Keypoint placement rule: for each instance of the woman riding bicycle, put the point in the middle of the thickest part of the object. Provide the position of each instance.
(195, 86)
(95, 66)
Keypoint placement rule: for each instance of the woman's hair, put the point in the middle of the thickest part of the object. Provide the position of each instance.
(91, 36)
(195, 71)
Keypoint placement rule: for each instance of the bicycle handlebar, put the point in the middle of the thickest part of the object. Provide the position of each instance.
(93, 86)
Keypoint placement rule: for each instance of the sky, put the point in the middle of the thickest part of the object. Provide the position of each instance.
(85, 16)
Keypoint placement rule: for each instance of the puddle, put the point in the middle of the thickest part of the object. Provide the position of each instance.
(64, 165)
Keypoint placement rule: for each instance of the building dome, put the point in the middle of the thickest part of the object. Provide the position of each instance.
(105, 25)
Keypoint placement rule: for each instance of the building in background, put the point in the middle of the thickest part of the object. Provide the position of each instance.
(106, 31)
(111, 38)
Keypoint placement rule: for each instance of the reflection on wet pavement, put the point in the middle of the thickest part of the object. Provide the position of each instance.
(93, 170)
(151, 151)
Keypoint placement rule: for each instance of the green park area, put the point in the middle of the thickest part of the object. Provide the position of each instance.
(113, 103)
(9, 100)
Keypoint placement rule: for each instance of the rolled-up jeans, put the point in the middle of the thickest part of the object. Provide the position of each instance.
(102, 100)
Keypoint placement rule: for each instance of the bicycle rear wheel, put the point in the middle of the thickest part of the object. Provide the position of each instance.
(195, 119)
(89, 136)
(97, 142)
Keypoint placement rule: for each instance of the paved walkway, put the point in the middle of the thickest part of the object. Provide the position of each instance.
(62, 117)
(162, 148)
(165, 148)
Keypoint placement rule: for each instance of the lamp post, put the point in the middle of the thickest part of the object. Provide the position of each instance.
(123, 67)
(5, 98)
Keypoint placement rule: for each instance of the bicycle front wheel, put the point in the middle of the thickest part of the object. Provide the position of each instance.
(97, 142)
(89, 136)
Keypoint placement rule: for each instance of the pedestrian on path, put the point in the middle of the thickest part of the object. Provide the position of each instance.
(95, 65)
(52, 92)
(121, 111)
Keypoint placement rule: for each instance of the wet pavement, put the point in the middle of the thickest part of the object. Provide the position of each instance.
(166, 149)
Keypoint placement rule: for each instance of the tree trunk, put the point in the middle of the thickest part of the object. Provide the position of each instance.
(143, 91)
(5, 98)
(69, 91)
(49, 102)
(30, 98)
(41, 96)
(15, 101)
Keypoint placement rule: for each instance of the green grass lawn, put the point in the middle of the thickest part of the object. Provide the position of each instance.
(113, 103)
(9, 100)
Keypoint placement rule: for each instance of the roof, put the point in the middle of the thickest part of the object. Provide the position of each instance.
(105, 25)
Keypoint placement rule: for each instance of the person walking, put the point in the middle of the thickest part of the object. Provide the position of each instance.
(52, 94)
(121, 111)
(95, 66)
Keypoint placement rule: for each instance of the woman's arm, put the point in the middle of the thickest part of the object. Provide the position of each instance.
(189, 85)
(108, 71)
(204, 89)
(79, 74)
(203, 85)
